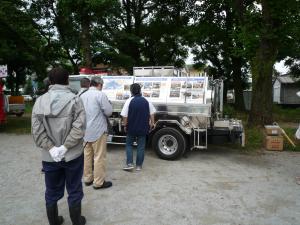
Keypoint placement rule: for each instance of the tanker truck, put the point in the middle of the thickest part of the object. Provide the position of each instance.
(189, 110)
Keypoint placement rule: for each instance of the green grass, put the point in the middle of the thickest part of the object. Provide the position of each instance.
(28, 107)
(286, 114)
(280, 114)
(17, 125)
(255, 136)
(255, 139)
(291, 133)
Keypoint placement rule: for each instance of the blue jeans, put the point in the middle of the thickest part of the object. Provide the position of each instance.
(141, 142)
(61, 174)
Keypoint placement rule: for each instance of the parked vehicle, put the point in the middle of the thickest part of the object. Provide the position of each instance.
(188, 116)
(27, 98)
(16, 105)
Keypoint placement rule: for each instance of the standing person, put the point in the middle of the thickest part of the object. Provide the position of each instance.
(84, 85)
(297, 134)
(97, 108)
(46, 83)
(138, 117)
(2, 103)
(58, 125)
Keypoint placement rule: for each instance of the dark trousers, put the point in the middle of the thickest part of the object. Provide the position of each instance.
(61, 174)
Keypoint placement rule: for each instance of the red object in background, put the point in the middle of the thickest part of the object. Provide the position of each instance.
(100, 71)
(85, 70)
(2, 112)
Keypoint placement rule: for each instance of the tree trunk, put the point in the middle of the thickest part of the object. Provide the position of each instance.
(237, 62)
(238, 83)
(262, 68)
(86, 40)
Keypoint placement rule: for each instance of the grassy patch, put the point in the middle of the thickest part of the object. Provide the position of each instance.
(255, 139)
(291, 133)
(17, 125)
(28, 107)
(286, 114)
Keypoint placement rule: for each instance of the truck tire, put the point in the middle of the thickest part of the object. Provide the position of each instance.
(169, 143)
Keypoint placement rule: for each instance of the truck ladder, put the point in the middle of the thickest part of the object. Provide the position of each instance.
(199, 143)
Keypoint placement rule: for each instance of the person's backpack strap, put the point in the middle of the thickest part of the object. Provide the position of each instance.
(82, 92)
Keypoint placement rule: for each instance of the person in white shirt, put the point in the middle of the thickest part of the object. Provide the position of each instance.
(84, 85)
(138, 118)
(97, 108)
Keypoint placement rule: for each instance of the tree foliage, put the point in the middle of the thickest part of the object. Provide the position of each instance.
(21, 46)
(230, 38)
(214, 42)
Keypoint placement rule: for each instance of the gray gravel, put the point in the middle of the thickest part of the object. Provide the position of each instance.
(216, 186)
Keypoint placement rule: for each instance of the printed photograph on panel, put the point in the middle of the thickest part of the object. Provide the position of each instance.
(112, 85)
(187, 94)
(147, 94)
(156, 85)
(175, 85)
(187, 85)
(196, 95)
(155, 94)
(174, 94)
(126, 87)
(198, 84)
(148, 85)
(119, 96)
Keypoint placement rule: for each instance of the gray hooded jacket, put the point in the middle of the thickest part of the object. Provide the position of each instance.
(58, 118)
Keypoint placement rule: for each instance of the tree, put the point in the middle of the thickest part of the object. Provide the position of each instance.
(214, 42)
(20, 44)
(85, 13)
(164, 42)
(264, 32)
(143, 33)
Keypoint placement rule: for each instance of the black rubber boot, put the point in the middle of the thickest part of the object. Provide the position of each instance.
(75, 215)
(52, 214)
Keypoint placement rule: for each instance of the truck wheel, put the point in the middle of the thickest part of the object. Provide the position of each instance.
(169, 143)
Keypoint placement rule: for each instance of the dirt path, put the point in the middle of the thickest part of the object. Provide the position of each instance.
(212, 187)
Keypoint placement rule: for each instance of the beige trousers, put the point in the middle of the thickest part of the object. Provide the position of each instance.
(95, 154)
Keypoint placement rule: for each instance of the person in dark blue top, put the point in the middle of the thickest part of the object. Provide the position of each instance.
(138, 118)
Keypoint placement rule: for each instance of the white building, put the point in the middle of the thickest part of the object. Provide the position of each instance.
(284, 90)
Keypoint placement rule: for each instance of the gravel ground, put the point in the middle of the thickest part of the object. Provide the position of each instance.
(212, 187)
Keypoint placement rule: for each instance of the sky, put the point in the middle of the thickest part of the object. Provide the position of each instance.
(280, 67)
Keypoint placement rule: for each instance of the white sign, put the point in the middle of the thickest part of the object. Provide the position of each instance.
(174, 89)
(153, 88)
(117, 87)
(3, 71)
(158, 89)
(195, 90)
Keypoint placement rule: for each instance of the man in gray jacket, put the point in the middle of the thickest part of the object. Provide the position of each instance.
(58, 125)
